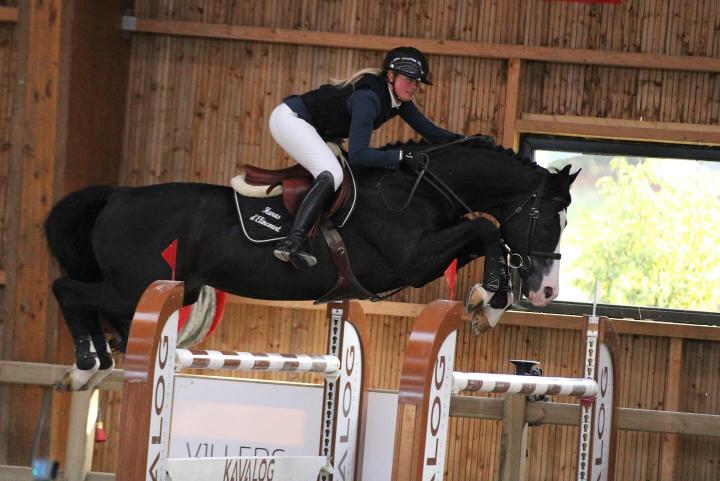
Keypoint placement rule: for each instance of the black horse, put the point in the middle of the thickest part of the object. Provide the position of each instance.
(108, 240)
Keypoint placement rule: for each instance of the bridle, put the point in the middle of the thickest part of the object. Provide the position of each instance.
(517, 260)
(450, 195)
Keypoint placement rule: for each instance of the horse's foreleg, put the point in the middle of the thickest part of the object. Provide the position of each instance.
(465, 241)
(494, 295)
(432, 254)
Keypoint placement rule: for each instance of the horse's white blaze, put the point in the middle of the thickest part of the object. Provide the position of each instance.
(552, 279)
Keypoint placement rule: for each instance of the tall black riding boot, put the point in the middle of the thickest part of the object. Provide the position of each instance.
(290, 248)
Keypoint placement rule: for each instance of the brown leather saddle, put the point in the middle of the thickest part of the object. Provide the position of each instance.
(295, 182)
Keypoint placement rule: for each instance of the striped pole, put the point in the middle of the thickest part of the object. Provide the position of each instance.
(250, 361)
(513, 384)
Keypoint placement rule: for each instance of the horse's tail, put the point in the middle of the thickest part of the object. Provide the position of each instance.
(68, 229)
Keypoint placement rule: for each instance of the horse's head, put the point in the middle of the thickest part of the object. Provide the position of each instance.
(532, 231)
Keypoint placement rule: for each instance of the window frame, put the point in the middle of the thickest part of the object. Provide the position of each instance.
(530, 142)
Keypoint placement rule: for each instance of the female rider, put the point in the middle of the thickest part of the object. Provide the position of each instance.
(351, 109)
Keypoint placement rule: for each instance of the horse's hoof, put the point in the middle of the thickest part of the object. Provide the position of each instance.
(475, 302)
(477, 298)
(486, 307)
(97, 378)
(76, 379)
(497, 306)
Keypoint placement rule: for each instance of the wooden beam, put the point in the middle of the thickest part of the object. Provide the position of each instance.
(516, 318)
(673, 381)
(9, 14)
(605, 128)
(512, 102)
(42, 374)
(513, 441)
(629, 419)
(80, 439)
(13, 473)
(439, 47)
(37, 148)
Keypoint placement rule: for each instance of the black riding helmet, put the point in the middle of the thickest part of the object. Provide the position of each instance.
(408, 61)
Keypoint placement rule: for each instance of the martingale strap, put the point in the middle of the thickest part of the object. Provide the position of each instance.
(347, 285)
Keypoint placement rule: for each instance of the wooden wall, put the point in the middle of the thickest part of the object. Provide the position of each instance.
(7, 85)
(197, 109)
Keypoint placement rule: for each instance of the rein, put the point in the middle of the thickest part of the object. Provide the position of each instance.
(433, 180)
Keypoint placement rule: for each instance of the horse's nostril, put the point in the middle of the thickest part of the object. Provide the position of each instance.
(548, 292)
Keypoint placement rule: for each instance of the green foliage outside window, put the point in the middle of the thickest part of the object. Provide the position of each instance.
(655, 241)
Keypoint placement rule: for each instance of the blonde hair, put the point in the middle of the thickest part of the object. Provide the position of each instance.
(356, 76)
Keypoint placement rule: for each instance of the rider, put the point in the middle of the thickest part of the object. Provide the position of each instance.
(351, 109)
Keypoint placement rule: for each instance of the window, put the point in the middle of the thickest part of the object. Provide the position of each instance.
(644, 221)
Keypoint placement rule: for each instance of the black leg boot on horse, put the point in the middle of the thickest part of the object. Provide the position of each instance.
(493, 296)
(290, 249)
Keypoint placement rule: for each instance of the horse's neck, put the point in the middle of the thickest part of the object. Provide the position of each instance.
(507, 194)
(491, 185)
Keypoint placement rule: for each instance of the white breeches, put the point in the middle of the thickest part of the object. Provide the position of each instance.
(300, 139)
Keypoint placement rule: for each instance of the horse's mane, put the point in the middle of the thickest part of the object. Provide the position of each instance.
(559, 184)
(481, 143)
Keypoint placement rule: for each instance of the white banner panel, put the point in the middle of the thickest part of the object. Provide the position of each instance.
(380, 437)
(225, 417)
(303, 468)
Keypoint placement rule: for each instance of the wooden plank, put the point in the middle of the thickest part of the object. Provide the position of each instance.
(9, 14)
(514, 438)
(42, 374)
(517, 318)
(669, 447)
(80, 438)
(36, 154)
(513, 91)
(619, 129)
(14, 473)
(566, 414)
(440, 47)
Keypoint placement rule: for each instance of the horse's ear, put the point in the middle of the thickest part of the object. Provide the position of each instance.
(565, 171)
(574, 176)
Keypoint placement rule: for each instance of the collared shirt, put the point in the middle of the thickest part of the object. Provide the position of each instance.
(393, 101)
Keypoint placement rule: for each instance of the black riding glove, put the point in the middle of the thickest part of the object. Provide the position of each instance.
(412, 163)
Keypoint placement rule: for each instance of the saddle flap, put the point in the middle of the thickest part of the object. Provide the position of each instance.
(258, 176)
(293, 193)
(294, 190)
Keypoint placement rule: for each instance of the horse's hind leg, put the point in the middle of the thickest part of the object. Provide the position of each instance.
(80, 303)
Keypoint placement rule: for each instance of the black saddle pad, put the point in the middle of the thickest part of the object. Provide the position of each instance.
(267, 220)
